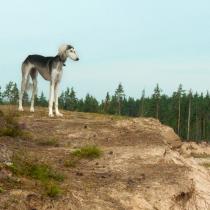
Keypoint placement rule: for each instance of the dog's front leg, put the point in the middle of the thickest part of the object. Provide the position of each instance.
(51, 98)
(58, 114)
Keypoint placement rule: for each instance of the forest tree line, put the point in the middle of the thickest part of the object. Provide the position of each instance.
(186, 112)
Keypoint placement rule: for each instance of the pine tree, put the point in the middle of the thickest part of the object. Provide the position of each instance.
(25, 98)
(1, 96)
(80, 105)
(119, 94)
(90, 104)
(70, 99)
(156, 96)
(11, 93)
(176, 110)
(195, 97)
(42, 100)
(106, 103)
(207, 111)
(142, 103)
(61, 100)
(179, 94)
(113, 107)
(189, 114)
(131, 107)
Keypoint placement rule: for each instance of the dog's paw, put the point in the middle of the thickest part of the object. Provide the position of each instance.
(20, 109)
(58, 114)
(31, 109)
(51, 115)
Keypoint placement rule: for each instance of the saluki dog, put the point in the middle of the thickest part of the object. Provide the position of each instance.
(51, 69)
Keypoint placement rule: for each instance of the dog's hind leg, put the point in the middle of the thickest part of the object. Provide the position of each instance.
(33, 74)
(25, 79)
(57, 113)
(51, 98)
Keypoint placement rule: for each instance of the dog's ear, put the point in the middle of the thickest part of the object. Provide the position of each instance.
(69, 47)
(62, 49)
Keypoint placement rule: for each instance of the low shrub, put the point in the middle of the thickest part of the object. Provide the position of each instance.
(25, 166)
(9, 125)
(52, 189)
(87, 152)
(71, 163)
(1, 190)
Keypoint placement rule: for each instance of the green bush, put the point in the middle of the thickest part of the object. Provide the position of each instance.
(9, 126)
(87, 152)
(24, 166)
(1, 190)
(52, 190)
(71, 163)
(39, 171)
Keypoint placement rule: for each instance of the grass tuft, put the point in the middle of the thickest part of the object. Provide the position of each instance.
(87, 152)
(24, 166)
(8, 125)
(1, 190)
(71, 163)
(49, 142)
(52, 190)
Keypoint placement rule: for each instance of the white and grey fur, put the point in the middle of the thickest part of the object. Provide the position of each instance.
(51, 69)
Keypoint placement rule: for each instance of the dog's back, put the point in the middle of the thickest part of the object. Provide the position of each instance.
(39, 63)
(38, 60)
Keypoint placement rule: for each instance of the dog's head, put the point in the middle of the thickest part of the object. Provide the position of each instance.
(68, 51)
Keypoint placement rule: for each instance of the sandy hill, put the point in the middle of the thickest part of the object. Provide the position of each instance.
(142, 165)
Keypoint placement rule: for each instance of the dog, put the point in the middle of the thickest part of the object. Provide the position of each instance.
(51, 69)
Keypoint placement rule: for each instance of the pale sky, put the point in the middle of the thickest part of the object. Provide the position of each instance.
(135, 42)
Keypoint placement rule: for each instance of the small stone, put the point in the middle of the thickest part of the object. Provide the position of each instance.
(79, 173)
(130, 182)
(111, 153)
(8, 163)
(22, 125)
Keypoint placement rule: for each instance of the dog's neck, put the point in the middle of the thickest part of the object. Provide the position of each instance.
(62, 59)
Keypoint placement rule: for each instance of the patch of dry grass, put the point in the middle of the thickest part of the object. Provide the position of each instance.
(1, 190)
(23, 165)
(206, 164)
(203, 155)
(86, 152)
(9, 125)
(49, 142)
(71, 163)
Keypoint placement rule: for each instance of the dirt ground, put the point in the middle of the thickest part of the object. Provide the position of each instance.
(144, 165)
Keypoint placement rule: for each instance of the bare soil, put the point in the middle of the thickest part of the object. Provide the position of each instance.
(144, 165)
